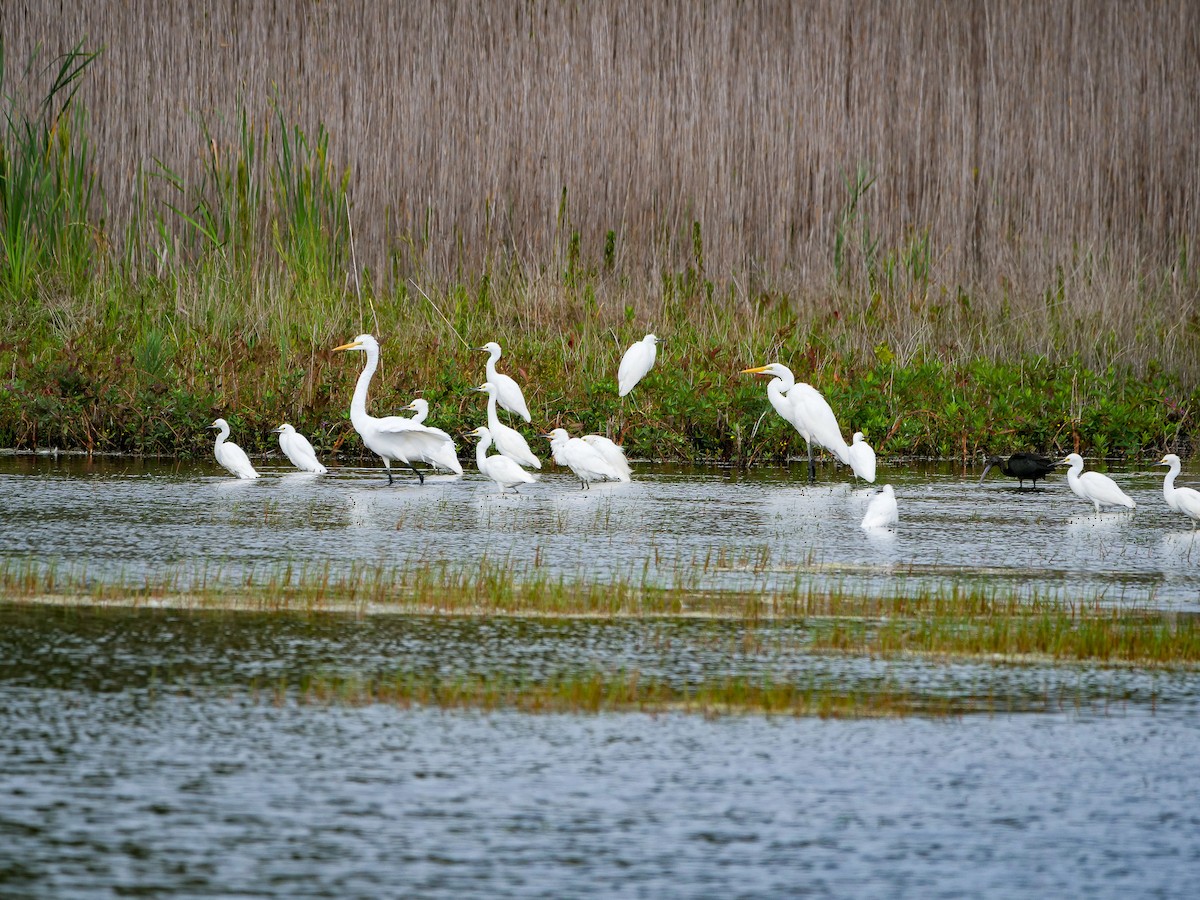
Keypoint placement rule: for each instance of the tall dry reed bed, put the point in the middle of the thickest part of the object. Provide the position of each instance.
(972, 226)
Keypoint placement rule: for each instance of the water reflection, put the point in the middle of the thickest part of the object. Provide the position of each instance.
(136, 517)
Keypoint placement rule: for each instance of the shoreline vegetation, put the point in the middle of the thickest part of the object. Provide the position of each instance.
(143, 299)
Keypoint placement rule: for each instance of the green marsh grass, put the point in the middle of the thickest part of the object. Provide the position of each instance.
(981, 623)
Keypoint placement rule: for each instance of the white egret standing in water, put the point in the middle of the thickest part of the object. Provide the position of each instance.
(581, 458)
(1094, 487)
(1182, 499)
(882, 511)
(393, 438)
(446, 454)
(298, 450)
(502, 470)
(810, 414)
(229, 454)
(862, 458)
(508, 392)
(637, 361)
(509, 442)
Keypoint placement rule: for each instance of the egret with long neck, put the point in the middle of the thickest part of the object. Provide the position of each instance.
(393, 438)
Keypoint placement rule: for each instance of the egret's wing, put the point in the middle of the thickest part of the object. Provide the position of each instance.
(634, 365)
(399, 424)
(509, 396)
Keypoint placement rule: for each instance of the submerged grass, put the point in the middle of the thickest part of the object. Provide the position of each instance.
(954, 622)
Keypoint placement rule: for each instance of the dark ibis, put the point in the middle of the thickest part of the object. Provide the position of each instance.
(1021, 466)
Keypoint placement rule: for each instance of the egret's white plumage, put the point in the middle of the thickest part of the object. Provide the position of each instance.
(508, 392)
(229, 454)
(296, 448)
(502, 470)
(1182, 499)
(509, 442)
(637, 361)
(882, 511)
(581, 458)
(862, 458)
(803, 406)
(1094, 487)
(612, 453)
(393, 438)
(445, 455)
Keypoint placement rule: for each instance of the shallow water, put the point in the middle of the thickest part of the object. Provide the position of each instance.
(166, 752)
(762, 529)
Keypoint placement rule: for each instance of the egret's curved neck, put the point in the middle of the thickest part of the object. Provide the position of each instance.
(419, 416)
(221, 435)
(493, 355)
(493, 419)
(481, 449)
(1169, 481)
(358, 405)
(1073, 472)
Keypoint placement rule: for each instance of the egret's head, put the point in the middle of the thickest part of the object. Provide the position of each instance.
(1169, 460)
(481, 432)
(557, 434)
(774, 369)
(491, 347)
(418, 406)
(858, 438)
(285, 428)
(1071, 459)
(219, 424)
(653, 339)
(487, 388)
(362, 342)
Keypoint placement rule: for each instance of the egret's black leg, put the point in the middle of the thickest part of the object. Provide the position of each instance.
(388, 466)
(420, 477)
(812, 466)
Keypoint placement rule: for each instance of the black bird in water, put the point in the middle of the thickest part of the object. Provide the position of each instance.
(1021, 466)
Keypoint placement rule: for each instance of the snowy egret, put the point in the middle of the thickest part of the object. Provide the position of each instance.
(1094, 487)
(392, 437)
(862, 458)
(500, 469)
(613, 454)
(881, 511)
(446, 454)
(229, 454)
(581, 458)
(803, 406)
(296, 448)
(508, 392)
(509, 442)
(637, 361)
(1021, 466)
(1183, 499)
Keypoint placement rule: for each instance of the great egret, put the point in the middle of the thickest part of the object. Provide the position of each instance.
(803, 406)
(392, 437)
(229, 454)
(500, 469)
(446, 455)
(862, 458)
(581, 458)
(882, 511)
(508, 394)
(1183, 499)
(1021, 466)
(637, 361)
(1094, 487)
(509, 442)
(296, 448)
(612, 453)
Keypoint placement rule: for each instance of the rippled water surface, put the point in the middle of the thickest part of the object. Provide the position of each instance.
(173, 753)
(167, 752)
(759, 529)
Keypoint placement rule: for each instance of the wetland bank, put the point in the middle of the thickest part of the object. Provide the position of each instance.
(706, 680)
